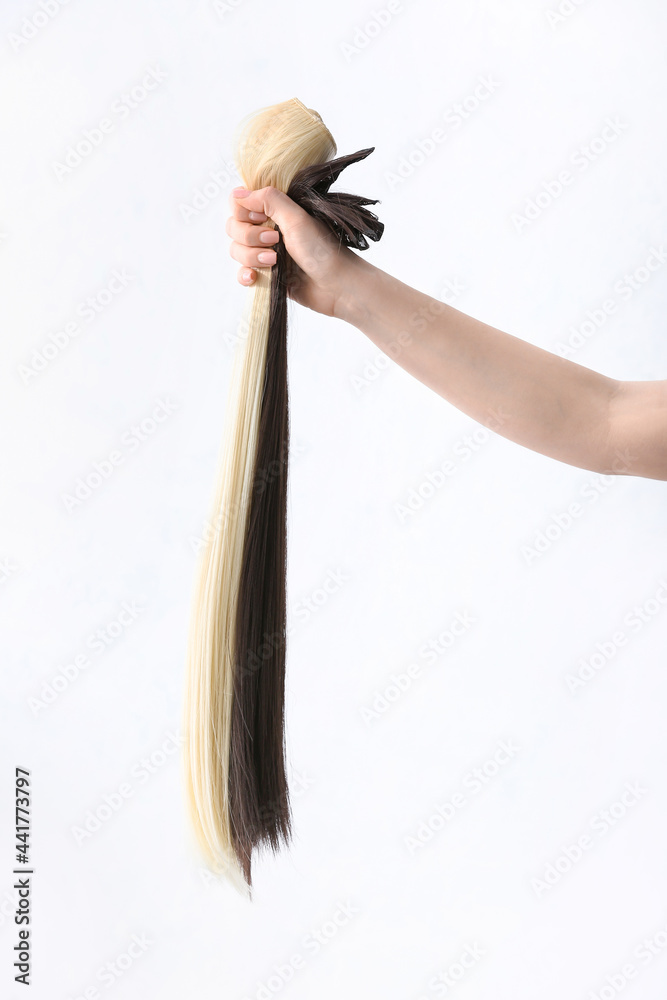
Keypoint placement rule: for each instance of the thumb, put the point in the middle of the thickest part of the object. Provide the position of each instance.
(274, 203)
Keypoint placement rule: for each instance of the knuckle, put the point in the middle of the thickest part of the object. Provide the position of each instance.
(271, 198)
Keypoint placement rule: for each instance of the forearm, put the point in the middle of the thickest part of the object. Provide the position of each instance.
(535, 398)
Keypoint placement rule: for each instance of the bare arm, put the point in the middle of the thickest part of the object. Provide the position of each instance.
(531, 396)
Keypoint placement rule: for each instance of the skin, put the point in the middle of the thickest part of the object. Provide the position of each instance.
(533, 397)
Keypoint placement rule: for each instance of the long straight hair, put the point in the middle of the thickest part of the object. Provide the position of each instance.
(234, 696)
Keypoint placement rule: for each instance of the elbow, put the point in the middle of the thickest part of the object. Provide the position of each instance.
(635, 435)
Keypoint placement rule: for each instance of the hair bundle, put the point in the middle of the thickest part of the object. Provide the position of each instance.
(235, 679)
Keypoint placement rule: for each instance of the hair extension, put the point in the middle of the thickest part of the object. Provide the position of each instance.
(234, 696)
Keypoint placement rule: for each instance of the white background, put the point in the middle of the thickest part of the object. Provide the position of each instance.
(360, 448)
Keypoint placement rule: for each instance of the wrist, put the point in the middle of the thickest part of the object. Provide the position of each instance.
(355, 272)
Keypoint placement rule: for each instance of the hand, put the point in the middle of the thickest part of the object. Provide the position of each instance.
(319, 261)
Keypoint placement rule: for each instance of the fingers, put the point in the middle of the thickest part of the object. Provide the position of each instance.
(251, 256)
(247, 276)
(251, 242)
(274, 204)
(244, 214)
(251, 234)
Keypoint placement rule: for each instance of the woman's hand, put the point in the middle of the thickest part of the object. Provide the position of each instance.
(320, 262)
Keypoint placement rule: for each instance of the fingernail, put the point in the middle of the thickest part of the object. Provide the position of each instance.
(257, 216)
(269, 236)
(267, 257)
(240, 192)
(247, 275)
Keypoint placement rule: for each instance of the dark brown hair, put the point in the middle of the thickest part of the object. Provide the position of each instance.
(258, 792)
